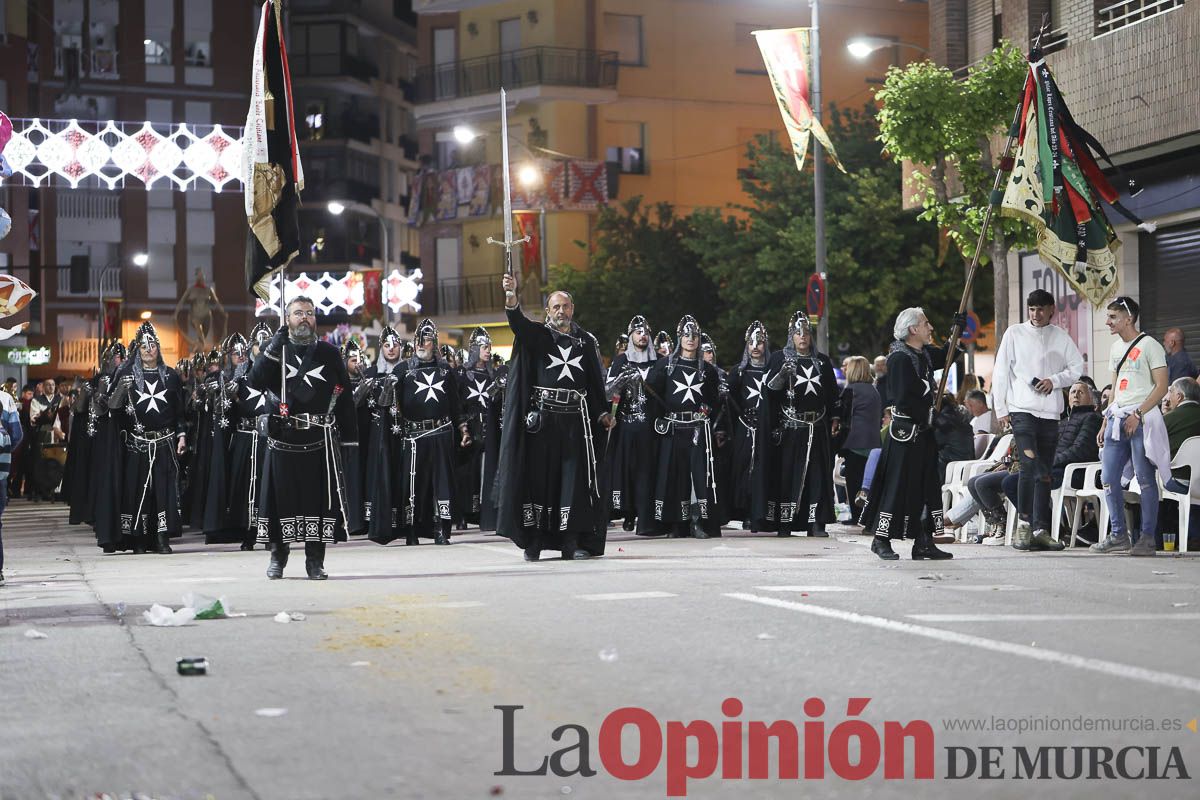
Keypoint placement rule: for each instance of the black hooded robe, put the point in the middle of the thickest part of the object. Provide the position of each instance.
(630, 457)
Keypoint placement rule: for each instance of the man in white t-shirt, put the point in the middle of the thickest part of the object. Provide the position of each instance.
(1133, 428)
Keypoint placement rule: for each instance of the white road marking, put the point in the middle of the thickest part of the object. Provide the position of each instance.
(1110, 668)
(1053, 617)
(200, 580)
(796, 559)
(975, 587)
(625, 596)
(1158, 585)
(805, 589)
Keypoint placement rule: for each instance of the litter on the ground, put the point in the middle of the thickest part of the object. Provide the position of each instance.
(270, 712)
(163, 617)
(35, 634)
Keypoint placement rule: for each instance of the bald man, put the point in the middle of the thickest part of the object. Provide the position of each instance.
(1179, 363)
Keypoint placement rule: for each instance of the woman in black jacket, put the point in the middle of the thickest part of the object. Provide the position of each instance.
(1076, 434)
(862, 407)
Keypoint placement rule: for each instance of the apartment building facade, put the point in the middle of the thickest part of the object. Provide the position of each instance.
(608, 99)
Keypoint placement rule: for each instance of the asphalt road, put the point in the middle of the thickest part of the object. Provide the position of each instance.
(388, 687)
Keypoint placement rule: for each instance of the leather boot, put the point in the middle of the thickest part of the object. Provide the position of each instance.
(698, 531)
(629, 524)
(279, 559)
(443, 534)
(411, 540)
(162, 544)
(925, 550)
(882, 547)
(314, 561)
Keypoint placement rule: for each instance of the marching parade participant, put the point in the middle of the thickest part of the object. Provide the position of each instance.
(419, 405)
(629, 455)
(301, 490)
(147, 399)
(684, 395)
(906, 494)
(745, 398)
(354, 454)
(796, 419)
(547, 487)
(482, 401)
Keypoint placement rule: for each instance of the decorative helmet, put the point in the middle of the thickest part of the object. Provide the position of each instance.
(706, 344)
(426, 329)
(389, 337)
(688, 326)
(145, 336)
(236, 344)
(637, 322)
(479, 337)
(661, 338)
(622, 342)
(799, 322)
(756, 334)
(351, 347)
(260, 333)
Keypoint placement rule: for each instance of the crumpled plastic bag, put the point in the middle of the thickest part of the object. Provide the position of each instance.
(164, 617)
(294, 616)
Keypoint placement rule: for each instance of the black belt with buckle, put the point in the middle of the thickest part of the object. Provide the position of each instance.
(794, 419)
(417, 426)
(558, 401)
(686, 417)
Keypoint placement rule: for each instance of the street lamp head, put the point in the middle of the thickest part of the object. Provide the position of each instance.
(147, 314)
(529, 176)
(141, 259)
(464, 135)
(336, 208)
(860, 48)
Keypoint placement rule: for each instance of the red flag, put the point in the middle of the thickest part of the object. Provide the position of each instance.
(112, 318)
(528, 224)
(372, 286)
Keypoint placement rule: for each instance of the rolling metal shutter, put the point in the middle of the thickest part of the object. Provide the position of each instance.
(1170, 282)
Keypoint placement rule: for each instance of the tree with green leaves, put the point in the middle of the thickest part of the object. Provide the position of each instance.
(640, 265)
(881, 258)
(947, 126)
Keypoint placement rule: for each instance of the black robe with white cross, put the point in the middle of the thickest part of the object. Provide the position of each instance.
(547, 489)
(794, 470)
(745, 397)
(482, 403)
(685, 486)
(414, 485)
(151, 421)
(630, 452)
(301, 486)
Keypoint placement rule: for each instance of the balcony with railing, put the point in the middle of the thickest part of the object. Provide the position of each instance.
(78, 354)
(578, 70)
(77, 62)
(110, 275)
(331, 65)
(1113, 17)
(477, 294)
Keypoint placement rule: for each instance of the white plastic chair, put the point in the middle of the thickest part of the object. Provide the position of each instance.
(1059, 496)
(1187, 457)
(954, 486)
(1092, 492)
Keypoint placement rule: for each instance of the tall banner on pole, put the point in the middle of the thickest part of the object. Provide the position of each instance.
(786, 55)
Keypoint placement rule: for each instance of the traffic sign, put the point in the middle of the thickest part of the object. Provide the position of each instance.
(815, 296)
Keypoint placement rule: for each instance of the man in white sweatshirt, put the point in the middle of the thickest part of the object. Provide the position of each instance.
(1035, 362)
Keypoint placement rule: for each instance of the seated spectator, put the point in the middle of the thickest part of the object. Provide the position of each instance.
(1183, 422)
(987, 491)
(953, 434)
(1076, 434)
(983, 419)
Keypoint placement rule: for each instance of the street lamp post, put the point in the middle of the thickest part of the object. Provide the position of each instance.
(819, 176)
(139, 260)
(338, 207)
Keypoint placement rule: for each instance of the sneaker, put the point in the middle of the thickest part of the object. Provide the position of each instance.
(1113, 543)
(1144, 546)
(1022, 536)
(1042, 540)
(994, 539)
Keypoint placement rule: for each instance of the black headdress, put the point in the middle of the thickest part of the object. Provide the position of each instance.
(687, 326)
(388, 336)
(426, 329)
(661, 338)
(799, 322)
(706, 345)
(260, 333)
(636, 322)
(236, 345)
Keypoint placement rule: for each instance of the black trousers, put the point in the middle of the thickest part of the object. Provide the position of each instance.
(1034, 439)
(855, 467)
